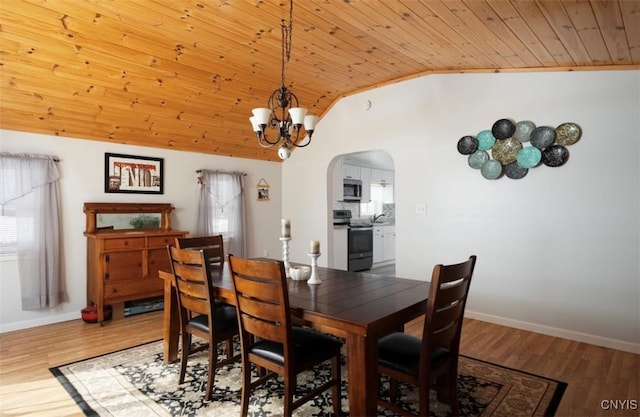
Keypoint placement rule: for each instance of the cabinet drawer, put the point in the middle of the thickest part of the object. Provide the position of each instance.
(124, 243)
(162, 241)
(132, 290)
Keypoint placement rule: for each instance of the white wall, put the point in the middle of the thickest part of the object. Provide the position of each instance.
(558, 251)
(82, 170)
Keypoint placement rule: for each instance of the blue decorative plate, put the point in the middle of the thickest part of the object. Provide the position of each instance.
(543, 136)
(485, 140)
(492, 169)
(523, 130)
(478, 159)
(515, 171)
(529, 157)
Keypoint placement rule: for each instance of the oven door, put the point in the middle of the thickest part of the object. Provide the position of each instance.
(360, 248)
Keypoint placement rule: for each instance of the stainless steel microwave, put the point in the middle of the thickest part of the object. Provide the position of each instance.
(352, 190)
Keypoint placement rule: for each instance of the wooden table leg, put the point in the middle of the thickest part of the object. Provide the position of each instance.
(362, 368)
(171, 321)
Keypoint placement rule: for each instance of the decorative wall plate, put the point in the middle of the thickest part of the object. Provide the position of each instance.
(555, 156)
(485, 140)
(467, 145)
(503, 129)
(492, 169)
(568, 134)
(529, 157)
(506, 150)
(523, 130)
(478, 159)
(543, 136)
(515, 171)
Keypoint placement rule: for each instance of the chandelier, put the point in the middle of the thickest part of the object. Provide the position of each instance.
(283, 113)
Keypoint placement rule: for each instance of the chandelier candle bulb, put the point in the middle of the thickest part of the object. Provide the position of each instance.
(315, 246)
(285, 229)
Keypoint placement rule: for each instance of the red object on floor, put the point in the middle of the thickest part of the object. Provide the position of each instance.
(90, 314)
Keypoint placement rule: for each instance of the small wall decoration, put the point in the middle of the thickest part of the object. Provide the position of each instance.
(517, 147)
(263, 190)
(133, 174)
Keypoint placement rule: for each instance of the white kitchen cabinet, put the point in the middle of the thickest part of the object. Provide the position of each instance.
(350, 172)
(365, 175)
(378, 244)
(384, 243)
(389, 243)
(381, 176)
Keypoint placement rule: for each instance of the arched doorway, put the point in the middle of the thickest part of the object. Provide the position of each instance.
(374, 170)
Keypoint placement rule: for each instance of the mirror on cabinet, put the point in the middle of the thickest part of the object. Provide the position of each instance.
(104, 217)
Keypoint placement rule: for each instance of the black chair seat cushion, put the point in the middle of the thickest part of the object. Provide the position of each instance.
(225, 319)
(306, 344)
(401, 352)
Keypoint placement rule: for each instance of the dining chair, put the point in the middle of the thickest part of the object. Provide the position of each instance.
(199, 314)
(213, 242)
(270, 341)
(216, 258)
(432, 360)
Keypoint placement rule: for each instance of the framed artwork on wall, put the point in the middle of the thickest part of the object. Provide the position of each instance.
(263, 190)
(133, 174)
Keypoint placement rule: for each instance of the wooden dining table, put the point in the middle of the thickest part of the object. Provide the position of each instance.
(359, 307)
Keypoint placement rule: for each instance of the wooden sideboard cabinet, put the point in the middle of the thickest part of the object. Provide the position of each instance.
(123, 263)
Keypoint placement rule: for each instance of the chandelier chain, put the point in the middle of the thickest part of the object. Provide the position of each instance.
(286, 40)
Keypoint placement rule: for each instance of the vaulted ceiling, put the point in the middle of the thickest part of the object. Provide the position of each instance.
(185, 75)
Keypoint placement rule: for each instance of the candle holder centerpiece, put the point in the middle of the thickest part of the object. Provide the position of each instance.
(285, 237)
(314, 255)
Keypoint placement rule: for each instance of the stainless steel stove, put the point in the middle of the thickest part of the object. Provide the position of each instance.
(360, 240)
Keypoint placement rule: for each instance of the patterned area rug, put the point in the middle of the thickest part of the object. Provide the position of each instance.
(136, 382)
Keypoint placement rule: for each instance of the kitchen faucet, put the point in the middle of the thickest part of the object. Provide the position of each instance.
(376, 217)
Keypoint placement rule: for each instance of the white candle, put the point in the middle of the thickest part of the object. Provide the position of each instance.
(315, 246)
(285, 230)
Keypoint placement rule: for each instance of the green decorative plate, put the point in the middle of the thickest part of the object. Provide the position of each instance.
(529, 157)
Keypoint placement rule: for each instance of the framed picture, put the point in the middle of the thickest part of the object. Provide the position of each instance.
(133, 174)
(263, 190)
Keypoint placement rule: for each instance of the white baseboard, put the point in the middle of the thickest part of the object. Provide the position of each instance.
(27, 324)
(557, 332)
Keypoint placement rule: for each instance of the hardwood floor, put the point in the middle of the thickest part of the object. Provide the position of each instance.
(594, 374)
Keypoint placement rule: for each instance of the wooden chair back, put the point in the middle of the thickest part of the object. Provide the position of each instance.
(213, 243)
(191, 271)
(445, 310)
(262, 299)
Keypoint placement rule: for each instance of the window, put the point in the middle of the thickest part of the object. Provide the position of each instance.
(8, 225)
(380, 194)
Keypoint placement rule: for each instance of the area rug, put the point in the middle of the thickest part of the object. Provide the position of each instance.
(136, 382)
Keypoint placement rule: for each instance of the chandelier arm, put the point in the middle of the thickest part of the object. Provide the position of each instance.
(295, 142)
(265, 142)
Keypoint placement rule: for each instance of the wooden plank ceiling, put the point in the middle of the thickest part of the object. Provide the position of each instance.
(185, 74)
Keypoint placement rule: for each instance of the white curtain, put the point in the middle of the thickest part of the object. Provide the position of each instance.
(29, 188)
(221, 209)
